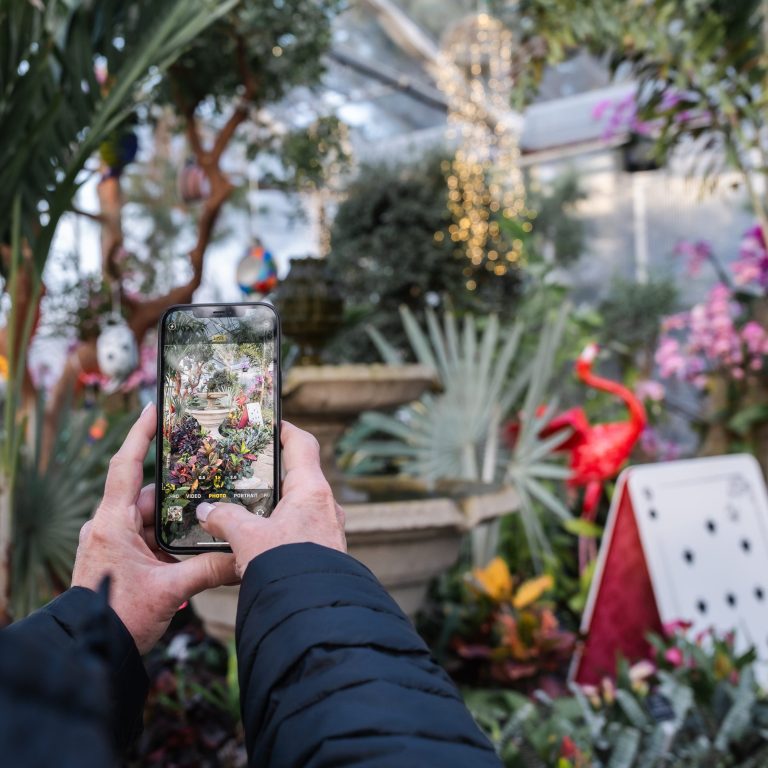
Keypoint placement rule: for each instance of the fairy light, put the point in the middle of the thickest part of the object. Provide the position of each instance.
(484, 177)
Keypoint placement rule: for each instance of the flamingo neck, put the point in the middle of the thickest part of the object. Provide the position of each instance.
(636, 410)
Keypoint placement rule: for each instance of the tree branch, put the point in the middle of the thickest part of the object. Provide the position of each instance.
(145, 314)
(193, 137)
(97, 217)
(241, 111)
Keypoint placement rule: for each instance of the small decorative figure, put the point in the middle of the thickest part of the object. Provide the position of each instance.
(256, 272)
(118, 151)
(255, 417)
(193, 183)
(598, 451)
(117, 353)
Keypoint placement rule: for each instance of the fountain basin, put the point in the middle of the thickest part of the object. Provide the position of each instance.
(326, 399)
(210, 420)
(405, 543)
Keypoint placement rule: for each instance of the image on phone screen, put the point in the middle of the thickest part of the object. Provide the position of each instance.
(218, 380)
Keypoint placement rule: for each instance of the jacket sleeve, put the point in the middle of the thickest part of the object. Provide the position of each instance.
(79, 624)
(332, 672)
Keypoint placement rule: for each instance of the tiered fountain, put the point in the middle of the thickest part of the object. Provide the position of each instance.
(403, 534)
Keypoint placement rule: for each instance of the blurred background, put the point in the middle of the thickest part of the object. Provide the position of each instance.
(450, 203)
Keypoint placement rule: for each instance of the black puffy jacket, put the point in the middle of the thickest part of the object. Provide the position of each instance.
(331, 674)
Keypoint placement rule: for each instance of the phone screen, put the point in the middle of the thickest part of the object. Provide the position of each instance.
(219, 375)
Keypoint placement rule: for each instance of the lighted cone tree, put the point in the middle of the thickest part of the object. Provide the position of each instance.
(484, 178)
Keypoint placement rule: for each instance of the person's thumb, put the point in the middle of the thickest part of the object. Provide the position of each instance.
(203, 571)
(227, 522)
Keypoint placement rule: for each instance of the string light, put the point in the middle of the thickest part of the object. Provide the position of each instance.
(484, 176)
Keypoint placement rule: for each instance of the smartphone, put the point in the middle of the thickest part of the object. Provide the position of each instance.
(218, 417)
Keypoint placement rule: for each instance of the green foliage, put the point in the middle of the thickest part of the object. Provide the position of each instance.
(558, 234)
(697, 704)
(390, 246)
(455, 434)
(192, 709)
(53, 112)
(279, 43)
(488, 628)
(632, 314)
(708, 55)
(308, 155)
(221, 381)
(52, 503)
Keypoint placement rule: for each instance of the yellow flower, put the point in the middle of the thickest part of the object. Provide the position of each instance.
(530, 591)
(495, 579)
(3, 367)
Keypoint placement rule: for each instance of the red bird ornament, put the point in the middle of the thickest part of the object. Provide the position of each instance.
(599, 451)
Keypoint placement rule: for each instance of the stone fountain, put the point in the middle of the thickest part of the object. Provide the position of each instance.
(404, 533)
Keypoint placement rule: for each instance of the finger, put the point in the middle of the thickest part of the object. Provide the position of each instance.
(204, 571)
(164, 557)
(126, 468)
(226, 521)
(150, 538)
(146, 504)
(301, 458)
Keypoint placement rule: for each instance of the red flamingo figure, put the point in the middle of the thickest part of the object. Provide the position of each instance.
(598, 451)
(240, 402)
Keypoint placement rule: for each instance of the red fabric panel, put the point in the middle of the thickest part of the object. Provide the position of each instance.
(625, 608)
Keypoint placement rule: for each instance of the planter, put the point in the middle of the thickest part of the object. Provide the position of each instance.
(405, 543)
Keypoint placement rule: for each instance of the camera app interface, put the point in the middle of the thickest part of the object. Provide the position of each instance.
(218, 417)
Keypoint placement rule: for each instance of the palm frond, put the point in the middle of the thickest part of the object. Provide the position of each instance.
(51, 505)
(455, 435)
(53, 111)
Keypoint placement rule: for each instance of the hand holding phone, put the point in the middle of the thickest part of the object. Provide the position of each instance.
(120, 542)
(218, 418)
(307, 511)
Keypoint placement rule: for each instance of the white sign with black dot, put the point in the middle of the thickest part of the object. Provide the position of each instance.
(703, 524)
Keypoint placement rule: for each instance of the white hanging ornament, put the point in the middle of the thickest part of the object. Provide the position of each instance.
(116, 352)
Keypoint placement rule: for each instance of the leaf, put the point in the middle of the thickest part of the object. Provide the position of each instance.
(579, 527)
(739, 716)
(625, 749)
(495, 579)
(530, 591)
(455, 434)
(743, 420)
(633, 711)
(389, 354)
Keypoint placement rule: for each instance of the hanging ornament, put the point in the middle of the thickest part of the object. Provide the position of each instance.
(485, 184)
(117, 151)
(193, 184)
(116, 352)
(256, 272)
(3, 376)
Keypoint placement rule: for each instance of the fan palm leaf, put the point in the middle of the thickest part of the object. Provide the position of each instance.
(52, 503)
(454, 435)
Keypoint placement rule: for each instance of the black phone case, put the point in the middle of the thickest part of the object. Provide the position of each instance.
(277, 419)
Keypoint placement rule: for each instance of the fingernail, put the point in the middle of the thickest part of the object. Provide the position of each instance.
(203, 510)
(146, 407)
